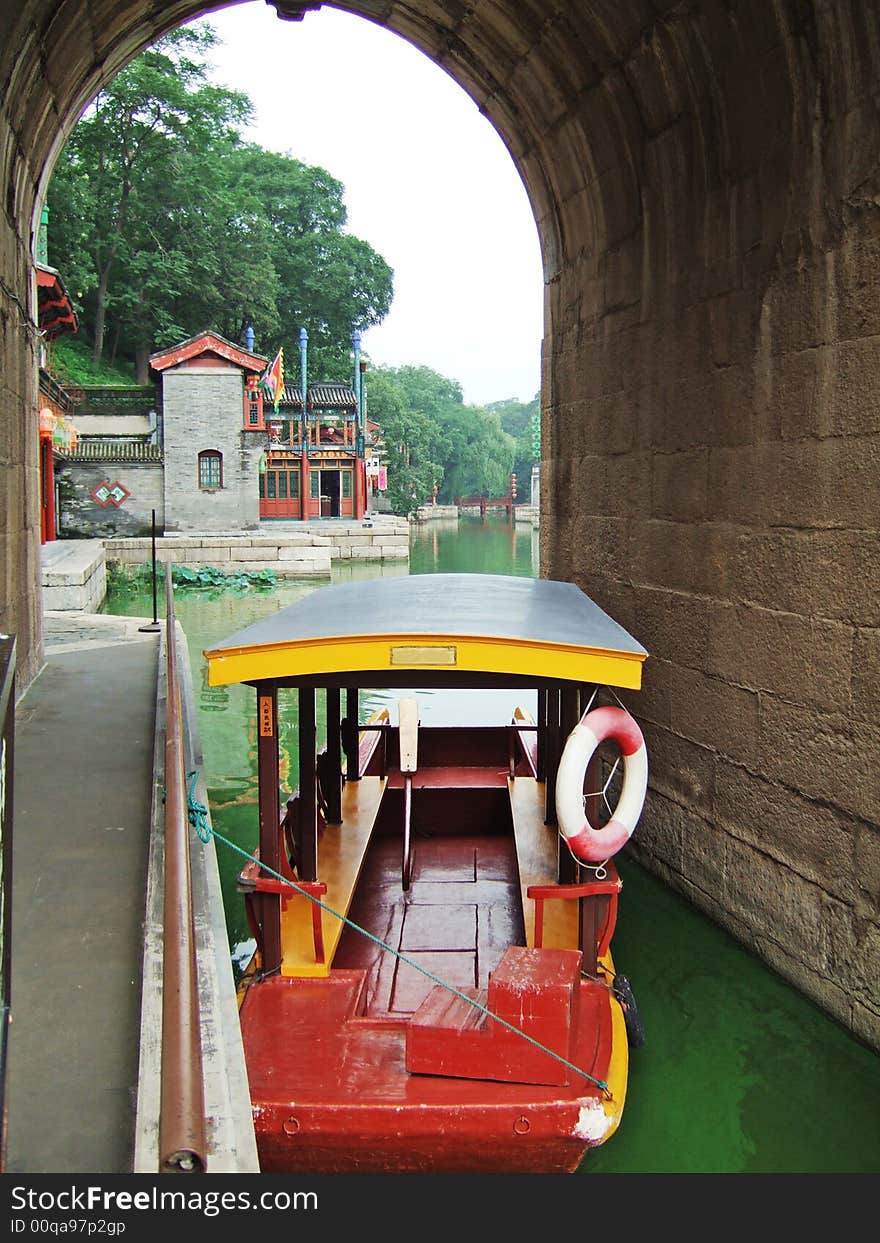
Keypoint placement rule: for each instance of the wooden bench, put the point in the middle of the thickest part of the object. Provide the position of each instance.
(341, 852)
(553, 914)
(536, 852)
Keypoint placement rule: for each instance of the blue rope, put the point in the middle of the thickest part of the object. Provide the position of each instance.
(206, 832)
(197, 812)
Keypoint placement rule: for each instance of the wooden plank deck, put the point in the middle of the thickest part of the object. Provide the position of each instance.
(341, 852)
(536, 850)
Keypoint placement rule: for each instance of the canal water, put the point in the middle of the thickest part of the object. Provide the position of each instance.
(738, 1073)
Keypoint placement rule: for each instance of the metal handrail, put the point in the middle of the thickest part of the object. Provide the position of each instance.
(7, 769)
(182, 1141)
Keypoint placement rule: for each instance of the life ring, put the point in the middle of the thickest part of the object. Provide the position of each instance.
(587, 844)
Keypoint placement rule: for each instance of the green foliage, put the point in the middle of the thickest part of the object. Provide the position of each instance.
(522, 421)
(70, 360)
(431, 437)
(409, 436)
(196, 578)
(210, 576)
(328, 281)
(164, 222)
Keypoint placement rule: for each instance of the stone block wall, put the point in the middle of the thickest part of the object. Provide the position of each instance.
(308, 552)
(711, 431)
(74, 576)
(81, 516)
(204, 410)
(305, 557)
(19, 470)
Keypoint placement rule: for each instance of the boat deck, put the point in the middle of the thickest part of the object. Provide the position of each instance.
(344, 848)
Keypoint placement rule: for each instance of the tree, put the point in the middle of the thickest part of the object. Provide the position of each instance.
(409, 437)
(166, 222)
(477, 457)
(520, 420)
(329, 281)
(130, 167)
(433, 437)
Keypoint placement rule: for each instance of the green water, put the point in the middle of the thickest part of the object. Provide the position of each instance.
(739, 1073)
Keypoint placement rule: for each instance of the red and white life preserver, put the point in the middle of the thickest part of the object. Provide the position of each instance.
(587, 844)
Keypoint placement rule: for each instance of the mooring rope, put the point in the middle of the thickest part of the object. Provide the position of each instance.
(198, 817)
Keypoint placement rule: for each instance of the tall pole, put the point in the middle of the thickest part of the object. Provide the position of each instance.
(305, 486)
(356, 342)
(154, 624)
(363, 405)
(360, 448)
(303, 350)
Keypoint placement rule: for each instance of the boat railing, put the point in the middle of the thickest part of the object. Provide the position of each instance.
(514, 732)
(182, 1138)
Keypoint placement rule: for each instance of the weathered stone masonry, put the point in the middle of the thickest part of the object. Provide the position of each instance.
(704, 176)
(712, 386)
(197, 396)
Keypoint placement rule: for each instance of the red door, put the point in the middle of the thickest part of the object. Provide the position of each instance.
(279, 491)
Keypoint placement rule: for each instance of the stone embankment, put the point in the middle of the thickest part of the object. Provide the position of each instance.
(74, 572)
(438, 513)
(304, 551)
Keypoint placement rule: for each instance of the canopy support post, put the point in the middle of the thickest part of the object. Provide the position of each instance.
(270, 819)
(568, 869)
(541, 774)
(308, 800)
(552, 752)
(333, 777)
(352, 708)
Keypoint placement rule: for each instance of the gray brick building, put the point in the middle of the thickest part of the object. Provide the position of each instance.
(214, 435)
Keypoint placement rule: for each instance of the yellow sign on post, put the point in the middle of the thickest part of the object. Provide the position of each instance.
(267, 719)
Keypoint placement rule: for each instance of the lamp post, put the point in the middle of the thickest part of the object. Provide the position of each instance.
(356, 343)
(305, 485)
(303, 382)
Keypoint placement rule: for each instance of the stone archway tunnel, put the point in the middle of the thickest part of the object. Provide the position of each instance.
(705, 181)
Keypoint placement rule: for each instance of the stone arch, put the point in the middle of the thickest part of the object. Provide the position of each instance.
(704, 176)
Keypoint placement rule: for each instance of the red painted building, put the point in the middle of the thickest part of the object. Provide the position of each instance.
(234, 460)
(314, 463)
(56, 431)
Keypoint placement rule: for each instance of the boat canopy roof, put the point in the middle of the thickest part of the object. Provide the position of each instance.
(433, 629)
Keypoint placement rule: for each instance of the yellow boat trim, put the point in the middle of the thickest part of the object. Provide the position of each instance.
(312, 658)
(341, 852)
(618, 1066)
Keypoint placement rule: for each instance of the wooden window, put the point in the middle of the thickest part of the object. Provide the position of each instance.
(314, 481)
(346, 484)
(210, 469)
(253, 407)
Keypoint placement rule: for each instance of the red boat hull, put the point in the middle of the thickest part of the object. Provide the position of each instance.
(331, 1092)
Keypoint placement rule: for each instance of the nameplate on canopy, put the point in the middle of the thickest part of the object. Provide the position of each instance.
(424, 656)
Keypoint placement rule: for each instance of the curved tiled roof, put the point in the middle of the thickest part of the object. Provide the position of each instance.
(106, 451)
(332, 396)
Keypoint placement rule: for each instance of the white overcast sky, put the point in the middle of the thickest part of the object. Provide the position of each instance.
(428, 183)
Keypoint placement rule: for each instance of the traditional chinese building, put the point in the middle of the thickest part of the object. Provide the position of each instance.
(213, 434)
(215, 454)
(233, 459)
(57, 432)
(313, 466)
